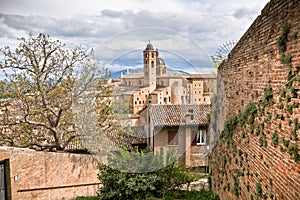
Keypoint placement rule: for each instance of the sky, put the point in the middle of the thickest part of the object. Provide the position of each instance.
(186, 32)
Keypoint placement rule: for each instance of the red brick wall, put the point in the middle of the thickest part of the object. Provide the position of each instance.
(48, 175)
(250, 164)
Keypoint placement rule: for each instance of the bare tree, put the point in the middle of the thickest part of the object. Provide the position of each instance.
(37, 109)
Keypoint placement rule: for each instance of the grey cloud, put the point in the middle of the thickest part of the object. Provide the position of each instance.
(113, 13)
(242, 12)
(209, 31)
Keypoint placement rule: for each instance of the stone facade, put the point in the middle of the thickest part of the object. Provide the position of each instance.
(259, 157)
(49, 175)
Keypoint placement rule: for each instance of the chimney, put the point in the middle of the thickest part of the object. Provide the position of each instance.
(189, 117)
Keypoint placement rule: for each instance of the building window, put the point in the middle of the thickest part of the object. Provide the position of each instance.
(172, 138)
(152, 55)
(152, 64)
(146, 55)
(199, 138)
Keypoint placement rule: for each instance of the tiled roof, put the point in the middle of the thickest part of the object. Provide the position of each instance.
(175, 115)
(202, 76)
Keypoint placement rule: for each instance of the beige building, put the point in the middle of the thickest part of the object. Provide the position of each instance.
(156, 86)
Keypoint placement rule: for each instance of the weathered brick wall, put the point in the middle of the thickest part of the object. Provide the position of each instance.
(258, 154)
(48, 175)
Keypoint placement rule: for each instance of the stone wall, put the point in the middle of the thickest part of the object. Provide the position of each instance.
(257, 155)
(48, 175)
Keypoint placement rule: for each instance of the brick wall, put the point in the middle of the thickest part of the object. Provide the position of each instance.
(48, 175)
(260, 157)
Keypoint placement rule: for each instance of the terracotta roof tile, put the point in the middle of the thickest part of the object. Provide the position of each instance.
(175, 115)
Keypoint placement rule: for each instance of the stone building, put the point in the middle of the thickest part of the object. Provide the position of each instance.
(182, 128)
(156, 86)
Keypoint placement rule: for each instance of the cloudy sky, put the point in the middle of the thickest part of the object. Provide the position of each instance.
(186, 32)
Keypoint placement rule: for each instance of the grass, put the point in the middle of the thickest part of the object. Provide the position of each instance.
(175, 194)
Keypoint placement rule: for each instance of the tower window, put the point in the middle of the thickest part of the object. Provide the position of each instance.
(152, 55)
(146, 55)
(152, 64)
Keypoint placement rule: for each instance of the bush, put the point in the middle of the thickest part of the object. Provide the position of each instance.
(127, 181)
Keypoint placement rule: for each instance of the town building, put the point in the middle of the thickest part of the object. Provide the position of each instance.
(156, 86)
(172, 109)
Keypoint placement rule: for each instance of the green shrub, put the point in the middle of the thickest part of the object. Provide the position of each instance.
(127, 180)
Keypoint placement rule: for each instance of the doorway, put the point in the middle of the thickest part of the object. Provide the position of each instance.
(3, 182)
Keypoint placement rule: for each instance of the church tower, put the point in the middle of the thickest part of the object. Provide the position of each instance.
(150, 58)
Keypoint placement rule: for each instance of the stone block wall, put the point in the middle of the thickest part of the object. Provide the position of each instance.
(49, 175)
(257, 155)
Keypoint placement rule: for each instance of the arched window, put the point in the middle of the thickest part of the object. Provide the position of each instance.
(152, 55)
(152, 64)
(146, 55)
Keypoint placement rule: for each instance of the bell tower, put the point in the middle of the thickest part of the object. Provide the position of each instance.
(150, 56)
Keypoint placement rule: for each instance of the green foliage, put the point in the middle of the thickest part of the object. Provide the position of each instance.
(286, 59)
(294, 151)
(282, 40)
(290, 122)
(236, 186)
(286, 143)
(296, 105)
(141, 175)
(282, 93)
(240, 152)
(275, 139)
(271, 182)
(289, 108)
(268, 97)
(296, 124)
(263, 141)
(224, 162)
(259, 191)
(287, 99)
(246, 116)
(191, 195)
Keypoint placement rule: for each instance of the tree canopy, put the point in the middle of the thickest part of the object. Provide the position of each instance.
(36, 97)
